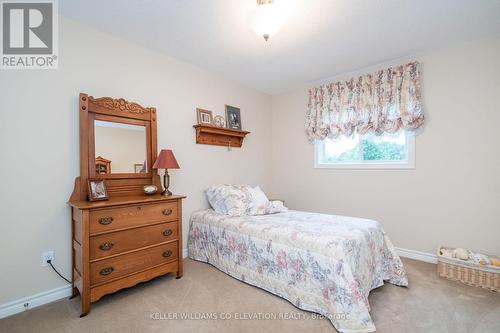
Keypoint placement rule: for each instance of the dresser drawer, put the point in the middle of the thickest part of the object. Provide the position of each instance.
(126, 240)
(107, 269)
(117, 218)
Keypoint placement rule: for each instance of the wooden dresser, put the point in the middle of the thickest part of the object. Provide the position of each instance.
(132, 237)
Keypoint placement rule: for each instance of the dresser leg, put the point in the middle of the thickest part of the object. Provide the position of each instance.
(74, 292)
(85, 305)
(179, 274)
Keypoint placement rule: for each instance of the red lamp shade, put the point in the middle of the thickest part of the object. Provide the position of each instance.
(166, 160)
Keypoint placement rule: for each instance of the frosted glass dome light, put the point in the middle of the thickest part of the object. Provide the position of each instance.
(267, 18)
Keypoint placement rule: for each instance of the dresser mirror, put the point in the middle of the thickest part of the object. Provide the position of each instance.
(118, 143)
(120, 148)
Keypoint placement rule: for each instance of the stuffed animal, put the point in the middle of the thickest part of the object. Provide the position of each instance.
(461, 254)
(480, 259)
(495, 261)
(447, 253)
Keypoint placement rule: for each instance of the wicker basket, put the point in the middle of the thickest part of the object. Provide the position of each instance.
(487, 277)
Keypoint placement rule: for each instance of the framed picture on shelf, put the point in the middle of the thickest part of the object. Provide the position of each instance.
(204, 117)
(219, 121)
(97, 189)
(233, 117)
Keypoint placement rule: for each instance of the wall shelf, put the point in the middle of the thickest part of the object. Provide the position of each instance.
(217, 136)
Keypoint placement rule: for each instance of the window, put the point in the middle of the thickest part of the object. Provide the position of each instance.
(388, 151)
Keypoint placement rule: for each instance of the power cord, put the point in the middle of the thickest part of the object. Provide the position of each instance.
(55, 270)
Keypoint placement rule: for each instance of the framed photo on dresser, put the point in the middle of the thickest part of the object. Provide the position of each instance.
(97, 189)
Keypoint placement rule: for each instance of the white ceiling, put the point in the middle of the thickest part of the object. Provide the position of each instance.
(321, 39)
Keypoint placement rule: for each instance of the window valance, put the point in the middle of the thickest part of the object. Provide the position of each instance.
(382, 102)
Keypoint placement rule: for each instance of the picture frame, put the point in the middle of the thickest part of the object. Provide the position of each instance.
(219, 121)
(97, 189)
(233, 117)
(139, 168)
(204, 117)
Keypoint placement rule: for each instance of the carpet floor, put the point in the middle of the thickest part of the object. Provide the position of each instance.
(430, 304)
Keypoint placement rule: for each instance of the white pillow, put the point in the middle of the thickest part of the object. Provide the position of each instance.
(259, 202)
(277, 206)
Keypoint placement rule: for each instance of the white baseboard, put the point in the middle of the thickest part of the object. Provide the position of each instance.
(23, 304)
(417, 255)
(17, 306)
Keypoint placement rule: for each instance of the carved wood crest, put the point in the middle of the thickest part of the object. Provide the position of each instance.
(119, 104)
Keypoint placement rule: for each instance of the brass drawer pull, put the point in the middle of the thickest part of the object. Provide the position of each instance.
(167, 232)
(167, 253)
(106, 246)
(106, 271)
(106, 220)
(167, 211)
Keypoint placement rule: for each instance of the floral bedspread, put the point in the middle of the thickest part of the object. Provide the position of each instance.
(321, 263)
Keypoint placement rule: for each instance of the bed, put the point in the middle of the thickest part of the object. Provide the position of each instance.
(321, 263)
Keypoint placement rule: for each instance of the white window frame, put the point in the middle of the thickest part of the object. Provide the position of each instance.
(409, 163)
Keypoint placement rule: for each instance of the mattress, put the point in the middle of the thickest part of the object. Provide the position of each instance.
(322, 263)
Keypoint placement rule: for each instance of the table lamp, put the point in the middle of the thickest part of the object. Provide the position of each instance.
(166, 160)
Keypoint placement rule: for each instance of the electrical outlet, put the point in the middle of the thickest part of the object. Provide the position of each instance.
(48, 255)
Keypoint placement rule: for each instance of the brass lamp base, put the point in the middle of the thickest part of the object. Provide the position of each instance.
(166, 193)
(166, 184)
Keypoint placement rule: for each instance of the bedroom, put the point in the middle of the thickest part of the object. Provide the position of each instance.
(180, 56)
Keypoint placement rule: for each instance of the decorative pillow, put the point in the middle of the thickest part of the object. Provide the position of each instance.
(216, 199)
(241, 200)
(228, 199)
(238, 200)
(260, 204)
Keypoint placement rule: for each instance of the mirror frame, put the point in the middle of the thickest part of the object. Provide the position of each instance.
(122, 111)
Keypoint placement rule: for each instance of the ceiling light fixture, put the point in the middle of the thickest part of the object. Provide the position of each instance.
(268, 18)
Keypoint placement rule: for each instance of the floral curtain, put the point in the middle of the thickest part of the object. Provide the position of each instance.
(382, 102)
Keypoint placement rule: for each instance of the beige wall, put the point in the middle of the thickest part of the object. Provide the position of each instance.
(40, 152)
(453, 195)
